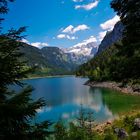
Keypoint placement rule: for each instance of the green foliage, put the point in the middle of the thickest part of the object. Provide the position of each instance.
(49, 72)
(127, 123)
(10, 66)
(73, 132)
(120, 62)
(17, 110)
(16, 115)
(81, 130)
(78, 133)
(98, 68)
(4, 7)
(129, 52)
(110, 136)
(60, 131)
(48, 60)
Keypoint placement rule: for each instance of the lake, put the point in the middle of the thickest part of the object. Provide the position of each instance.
(65, 95)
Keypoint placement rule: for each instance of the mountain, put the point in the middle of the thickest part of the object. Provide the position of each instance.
(54, 60)
(57, 58)
(33, 56)
(102, 58)
(49, 59)
(111, 37)
(81, 53)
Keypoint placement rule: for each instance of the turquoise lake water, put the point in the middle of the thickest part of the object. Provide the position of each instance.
(64, 96)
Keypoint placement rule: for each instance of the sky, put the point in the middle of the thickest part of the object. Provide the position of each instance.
(61, 23)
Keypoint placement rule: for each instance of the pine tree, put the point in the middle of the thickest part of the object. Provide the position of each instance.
(60, 131)
(129, 52)
(17, 110)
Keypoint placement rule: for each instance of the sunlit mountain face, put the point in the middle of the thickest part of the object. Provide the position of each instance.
(81, 52)
(82, 49)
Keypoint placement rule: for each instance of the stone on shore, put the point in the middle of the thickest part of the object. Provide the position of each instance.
(137, 123)
(121, 133)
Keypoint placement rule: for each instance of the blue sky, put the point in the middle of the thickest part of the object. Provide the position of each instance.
(61, 23)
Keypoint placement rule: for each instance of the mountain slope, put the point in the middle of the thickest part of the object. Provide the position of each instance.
(55, 57)
(33, 56)
(81, 53)
(51, 59)
(54, 60)
(111, 37)
(97, 66)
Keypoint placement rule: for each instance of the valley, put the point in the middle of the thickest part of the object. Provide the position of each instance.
(50, 61)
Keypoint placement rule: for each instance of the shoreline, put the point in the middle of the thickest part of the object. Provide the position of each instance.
(100, 128)
(132, 90)
(39, 77)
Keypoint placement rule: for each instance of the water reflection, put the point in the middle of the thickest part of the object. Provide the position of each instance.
(65, 97)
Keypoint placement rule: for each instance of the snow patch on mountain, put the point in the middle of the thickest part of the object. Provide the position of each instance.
(83, 48)
(81, 52)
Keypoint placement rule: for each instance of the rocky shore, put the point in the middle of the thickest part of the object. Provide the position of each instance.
(129, 89)
(118, 126)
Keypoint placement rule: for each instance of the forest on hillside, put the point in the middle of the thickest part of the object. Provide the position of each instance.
(120, 61)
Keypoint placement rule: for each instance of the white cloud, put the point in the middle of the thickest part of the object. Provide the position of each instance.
(91, 39)
(80, 28)
(77, 0)
(71, 29)
(109, 24)
(87, 41)
(71, 37)
(101, 35)
(39, 44)
(62, 36)
(68, 29)
(88, 6)
(25, 41)
(35, 44)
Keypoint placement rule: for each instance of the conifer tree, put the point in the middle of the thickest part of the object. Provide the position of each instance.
(17, 110)
(129, 51)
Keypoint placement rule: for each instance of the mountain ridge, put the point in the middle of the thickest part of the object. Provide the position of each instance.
(111, 37)
(58, 60)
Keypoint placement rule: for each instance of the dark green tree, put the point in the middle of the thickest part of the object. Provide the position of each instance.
(60, 131)
(17, 110)
(129, 51)
(121, 61)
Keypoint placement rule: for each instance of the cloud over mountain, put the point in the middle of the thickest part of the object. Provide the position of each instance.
(109, 24)
(35, 44)
(86, 41)
(101, 35)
